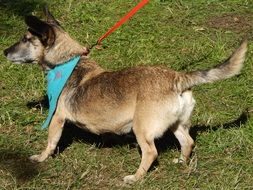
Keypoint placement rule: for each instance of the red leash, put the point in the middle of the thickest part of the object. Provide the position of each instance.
(121, 21)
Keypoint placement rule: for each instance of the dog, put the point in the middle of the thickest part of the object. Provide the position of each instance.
(147, 100)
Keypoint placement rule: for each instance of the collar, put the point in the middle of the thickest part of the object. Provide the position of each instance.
(56, 80)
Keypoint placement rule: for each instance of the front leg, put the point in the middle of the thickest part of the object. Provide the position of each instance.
(54, 135)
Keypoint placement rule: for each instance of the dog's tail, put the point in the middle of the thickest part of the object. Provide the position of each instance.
(227, 69)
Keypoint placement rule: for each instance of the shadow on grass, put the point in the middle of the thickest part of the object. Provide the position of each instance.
(39, 104)
(18, 165)
(15, 10)
(241, 120)
(21, 7)
(73, 133)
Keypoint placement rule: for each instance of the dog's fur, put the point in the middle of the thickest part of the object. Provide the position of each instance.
(146, 100)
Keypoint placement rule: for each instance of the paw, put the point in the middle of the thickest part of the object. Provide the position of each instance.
(130, 179)
(37, 158)
(178, 160)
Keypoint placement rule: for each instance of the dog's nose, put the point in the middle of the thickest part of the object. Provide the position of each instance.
(6, 52)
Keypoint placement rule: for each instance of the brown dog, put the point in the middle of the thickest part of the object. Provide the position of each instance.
(147, 100)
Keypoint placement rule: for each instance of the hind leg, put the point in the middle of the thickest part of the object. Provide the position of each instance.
(148, 150)
(182, 130)
(186, 143)
(151, 120)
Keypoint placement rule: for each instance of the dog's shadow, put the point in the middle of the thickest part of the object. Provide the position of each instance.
(241, 120)
(16, 163)
(39, 104)
(73, 133)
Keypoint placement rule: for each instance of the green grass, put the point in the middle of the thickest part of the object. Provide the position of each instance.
(183, 35)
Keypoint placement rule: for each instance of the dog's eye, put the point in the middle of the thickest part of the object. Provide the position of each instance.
(25, 39)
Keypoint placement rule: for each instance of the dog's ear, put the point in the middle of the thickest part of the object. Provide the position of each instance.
(42, 29)
(50, 18)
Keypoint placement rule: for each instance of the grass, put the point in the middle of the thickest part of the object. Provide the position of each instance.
(183, 35)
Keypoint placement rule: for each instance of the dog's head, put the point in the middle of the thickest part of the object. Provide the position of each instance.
(44, 42)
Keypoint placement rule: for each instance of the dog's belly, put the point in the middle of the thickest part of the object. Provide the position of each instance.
(103, 120)
(106, 127)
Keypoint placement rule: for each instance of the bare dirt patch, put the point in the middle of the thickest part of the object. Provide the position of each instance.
(233, 22)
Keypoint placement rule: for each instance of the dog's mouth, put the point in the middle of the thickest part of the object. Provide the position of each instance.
(20, 60)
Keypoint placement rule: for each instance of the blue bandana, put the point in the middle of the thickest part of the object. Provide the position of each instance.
(56, 80)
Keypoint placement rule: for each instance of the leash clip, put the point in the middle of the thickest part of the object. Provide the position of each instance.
(97, 45)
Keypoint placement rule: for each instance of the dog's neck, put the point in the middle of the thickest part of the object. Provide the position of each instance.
(63, 49)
